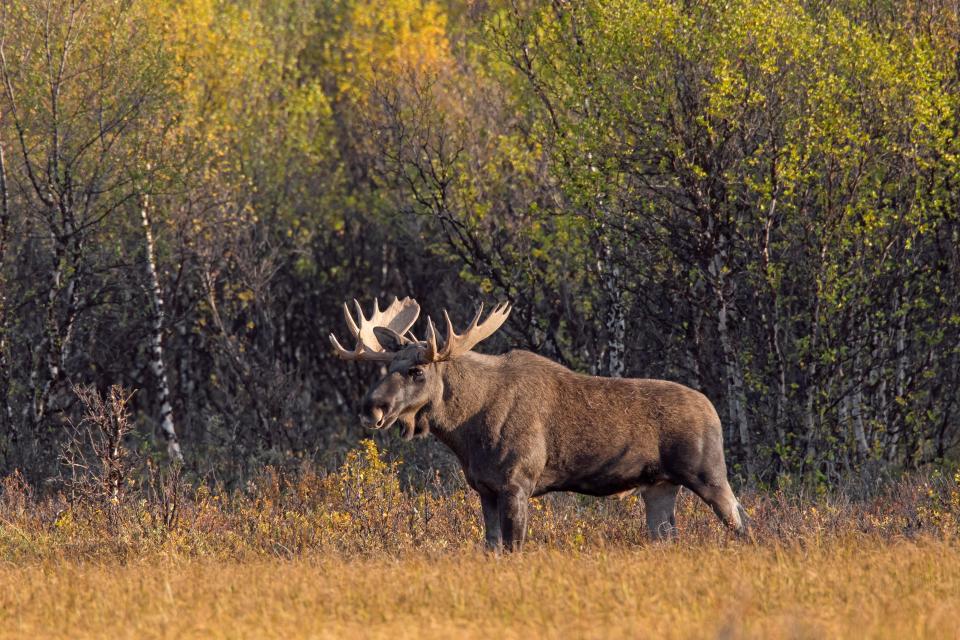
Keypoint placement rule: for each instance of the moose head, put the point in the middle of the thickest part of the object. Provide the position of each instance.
(412, 381)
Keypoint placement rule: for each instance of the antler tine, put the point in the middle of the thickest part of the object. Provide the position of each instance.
(476, 332)
(351, 323)
(451, 337)
(399, 316)
(360, 352)
(431, 353)
(476, 319)
(342, 353)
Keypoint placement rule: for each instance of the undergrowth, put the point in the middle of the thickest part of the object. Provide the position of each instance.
(113, 506)
(361, 508)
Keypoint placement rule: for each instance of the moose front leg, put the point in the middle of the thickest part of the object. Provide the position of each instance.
(491, 520)
(512, 505)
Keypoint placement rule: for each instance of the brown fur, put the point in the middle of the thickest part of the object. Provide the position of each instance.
(522, 426)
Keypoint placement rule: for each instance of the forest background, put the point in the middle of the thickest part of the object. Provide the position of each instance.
(757, 199)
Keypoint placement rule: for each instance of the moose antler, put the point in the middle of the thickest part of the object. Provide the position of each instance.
(457, 345)
(398, 317)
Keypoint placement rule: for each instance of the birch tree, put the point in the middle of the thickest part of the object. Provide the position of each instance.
(79, 82)
(157, 365)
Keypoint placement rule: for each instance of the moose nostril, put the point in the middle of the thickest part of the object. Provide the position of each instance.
(372, 417)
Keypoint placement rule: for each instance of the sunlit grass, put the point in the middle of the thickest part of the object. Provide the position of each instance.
(847, 589)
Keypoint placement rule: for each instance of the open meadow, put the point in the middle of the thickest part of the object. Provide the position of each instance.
(843, 589)
(352, 553)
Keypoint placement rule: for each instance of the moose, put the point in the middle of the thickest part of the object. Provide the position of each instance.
(522, 425)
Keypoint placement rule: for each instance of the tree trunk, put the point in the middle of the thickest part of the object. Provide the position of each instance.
(900, 390)
(814, 385)
(736, 396)
(616, 324)
(694, 350)
(65, 273)
(612, 361)
(774, 326)
(156, 338)
(6, 417)
(856, 414)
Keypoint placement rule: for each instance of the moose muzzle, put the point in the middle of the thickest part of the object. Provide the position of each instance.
(372, 420)
(376, 413)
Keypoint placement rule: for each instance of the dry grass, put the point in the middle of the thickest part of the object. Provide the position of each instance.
(853, 590)
(352, 553)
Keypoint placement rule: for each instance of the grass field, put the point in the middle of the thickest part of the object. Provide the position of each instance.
(848, 590)
(353, 554)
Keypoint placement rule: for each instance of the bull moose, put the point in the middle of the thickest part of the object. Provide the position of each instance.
(522, 425)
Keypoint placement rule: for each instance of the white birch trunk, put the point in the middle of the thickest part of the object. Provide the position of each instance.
(156, 339)
(616, 325)
(613, 360)
(736, 395)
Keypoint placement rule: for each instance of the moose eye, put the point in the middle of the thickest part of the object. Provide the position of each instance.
(416, 373)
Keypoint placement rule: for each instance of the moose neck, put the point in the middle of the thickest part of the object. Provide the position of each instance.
(467, 382)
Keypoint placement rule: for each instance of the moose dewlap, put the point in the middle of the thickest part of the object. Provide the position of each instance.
(522, 425)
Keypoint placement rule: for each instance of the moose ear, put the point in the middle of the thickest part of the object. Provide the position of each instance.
(390, 339)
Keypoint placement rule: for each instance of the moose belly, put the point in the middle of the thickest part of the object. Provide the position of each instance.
(601, 455)
(605, 480)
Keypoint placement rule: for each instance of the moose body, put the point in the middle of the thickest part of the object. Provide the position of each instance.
(522, 425)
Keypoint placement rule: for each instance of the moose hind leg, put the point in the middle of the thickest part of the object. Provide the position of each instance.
(724, 503)
(660, 501)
